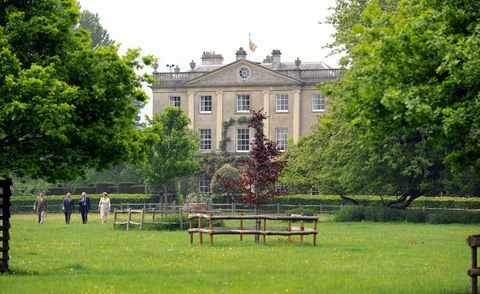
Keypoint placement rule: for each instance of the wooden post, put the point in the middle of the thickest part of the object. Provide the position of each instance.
(264, 229)
(142, 217)
(289, 228)
(200, 235)
(190, 221)
(241, 227)
(474, 266)
(302, 228)
(278, 208)
(129, 218)
(153, 216)
(210, 227)
(315, 234)
(114, 218)
(180, 214)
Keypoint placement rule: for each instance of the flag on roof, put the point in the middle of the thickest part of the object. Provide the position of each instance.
(252, 45)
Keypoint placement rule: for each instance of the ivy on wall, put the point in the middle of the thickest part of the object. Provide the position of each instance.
(227, 124)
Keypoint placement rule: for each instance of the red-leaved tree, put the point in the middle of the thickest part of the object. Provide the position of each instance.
(257, 181)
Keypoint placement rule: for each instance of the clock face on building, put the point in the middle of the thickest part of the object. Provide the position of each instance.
(244, 73)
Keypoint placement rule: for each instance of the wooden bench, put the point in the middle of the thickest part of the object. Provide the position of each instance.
(258, 230)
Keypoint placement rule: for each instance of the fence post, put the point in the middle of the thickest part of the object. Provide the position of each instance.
(180, 213)
(474, 241)
(114, 217)
(278, 207)
(129, 218)
(142, 217)
(200, 234)
(321, 210)
(121, 206)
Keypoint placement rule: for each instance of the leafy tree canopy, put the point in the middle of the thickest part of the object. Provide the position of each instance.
(346, 15)
(63, 106)
(405, 117)
(416, 75)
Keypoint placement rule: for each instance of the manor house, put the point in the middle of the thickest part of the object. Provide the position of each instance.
(215, 95)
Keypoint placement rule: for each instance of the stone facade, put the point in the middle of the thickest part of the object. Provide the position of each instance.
(213, 93)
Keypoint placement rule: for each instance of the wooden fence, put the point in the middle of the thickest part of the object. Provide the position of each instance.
(474, 242)
(4, 223)
(143, 221)
(258, 230)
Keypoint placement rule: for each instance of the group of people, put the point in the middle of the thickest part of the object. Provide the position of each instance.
(41, 207)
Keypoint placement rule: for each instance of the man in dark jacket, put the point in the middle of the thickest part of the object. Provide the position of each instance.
(68, 207)
(84, 207)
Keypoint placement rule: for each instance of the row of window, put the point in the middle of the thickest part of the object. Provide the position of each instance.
(243, 103)
(243, 139)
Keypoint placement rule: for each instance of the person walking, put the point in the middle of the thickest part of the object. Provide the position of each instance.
(41, 207)
(104, 207)
(84, 207)
(68, 207)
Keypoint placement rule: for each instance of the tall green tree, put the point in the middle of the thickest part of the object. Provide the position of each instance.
(175, 150)
(405, 117)
(99, 35)
(346, 15)
(416, 76)
(64, 107)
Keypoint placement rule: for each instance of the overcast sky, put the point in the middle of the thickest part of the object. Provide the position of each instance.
(179, 31)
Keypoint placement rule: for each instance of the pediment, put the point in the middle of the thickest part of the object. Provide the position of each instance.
(229, 75)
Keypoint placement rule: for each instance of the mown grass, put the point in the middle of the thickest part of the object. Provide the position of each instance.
(361, 257)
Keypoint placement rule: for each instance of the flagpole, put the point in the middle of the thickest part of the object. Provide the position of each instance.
(249, 49)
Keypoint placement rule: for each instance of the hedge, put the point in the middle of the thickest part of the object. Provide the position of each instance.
(351, 213)
(431, 202)
(114, 199)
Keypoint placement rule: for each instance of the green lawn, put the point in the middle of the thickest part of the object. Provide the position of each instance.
(350, 258)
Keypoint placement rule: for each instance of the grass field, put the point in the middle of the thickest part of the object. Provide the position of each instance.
(350, 258)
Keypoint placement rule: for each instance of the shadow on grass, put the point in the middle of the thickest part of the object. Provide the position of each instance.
(21, 272)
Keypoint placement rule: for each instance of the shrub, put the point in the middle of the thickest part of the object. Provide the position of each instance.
(227, 174)
(351, 213)
(450, 217)
(415, 216)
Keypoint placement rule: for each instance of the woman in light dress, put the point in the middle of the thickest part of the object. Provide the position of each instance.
(104, 207)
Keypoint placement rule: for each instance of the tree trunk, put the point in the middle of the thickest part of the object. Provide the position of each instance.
(403, 201)
(344, 197)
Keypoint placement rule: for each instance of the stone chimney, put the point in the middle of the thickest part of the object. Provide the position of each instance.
(241, 54)
(268, 59)
(209, 58)
(276, 58)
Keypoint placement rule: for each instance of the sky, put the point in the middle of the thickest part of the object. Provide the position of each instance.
(180, 31)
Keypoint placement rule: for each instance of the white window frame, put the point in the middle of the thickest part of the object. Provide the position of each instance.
(237, 139)
(204, 184)
(172, 101)
(282, 142)
(281, 102)
(203, 104)
(321, 106)
(243, 96)
(205, 139)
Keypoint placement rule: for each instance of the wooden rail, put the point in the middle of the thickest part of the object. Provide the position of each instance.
(143, 222)
(4, 224)
(474, 242)
(259, 230)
